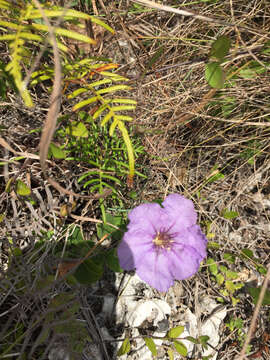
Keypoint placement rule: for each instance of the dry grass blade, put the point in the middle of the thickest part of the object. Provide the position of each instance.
(170, 9)
(157, 6)
(50, 123)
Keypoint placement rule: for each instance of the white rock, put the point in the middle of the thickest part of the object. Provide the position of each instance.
(151, 310)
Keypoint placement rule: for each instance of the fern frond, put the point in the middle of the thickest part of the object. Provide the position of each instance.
(17, 52)
(67, 15)
(19, 33)
(5, 5)
(67, 33)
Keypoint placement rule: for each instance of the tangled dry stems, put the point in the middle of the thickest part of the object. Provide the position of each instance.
(188, 131)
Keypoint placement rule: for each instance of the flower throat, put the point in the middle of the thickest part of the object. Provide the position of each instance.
(163, 240)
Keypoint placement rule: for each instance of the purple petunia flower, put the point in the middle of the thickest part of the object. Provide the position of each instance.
(163, 243)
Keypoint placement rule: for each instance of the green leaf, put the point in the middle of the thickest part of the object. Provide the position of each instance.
(220, 279)
(262, 270)
(213, 245)
(170, 353)
(231, 275)
(223, 268)
(247, 253)
(175, 332)
(8, 185)
(192, 339)
(103, 229)
(84, 103)
(229, 257)
(111, 259)
(255, 293)
(89, 272)
(151, 345)
(203, 340)
(77, 129)
(56, 151)
(111, 89)
(180, 348)
(125, 347)
(229, 214)
(220, 48)
(214, 75)
(215, 177)
(212, 266)
(22, 189)
(230, 286)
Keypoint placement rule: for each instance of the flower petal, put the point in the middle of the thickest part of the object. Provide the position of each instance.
(133, 248)
(184, 263)
(155, 270)
(180, 210)
(145, 217)
(192, 236)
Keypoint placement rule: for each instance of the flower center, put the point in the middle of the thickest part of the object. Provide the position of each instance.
(163, 240)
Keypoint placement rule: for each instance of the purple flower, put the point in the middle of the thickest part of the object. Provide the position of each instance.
(163, 243)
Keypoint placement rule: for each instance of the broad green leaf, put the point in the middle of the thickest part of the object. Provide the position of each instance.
(125, 347)
(175, 332)
(220, 279)
(261, 269)
(220, 48)
(229, 214)
(230, 286)
(104, 228)
(255, 293)
(247, 253)
(111, 259)
(214, 75)
(223, 268)
(89, 272)
(151, 345)
(234, 301)
(212, 266)
(57, 152)
(229, 257)
(22, 189)
(203, 340)
(180, 348)
(231, 275)
(192, 339)
(77, 129)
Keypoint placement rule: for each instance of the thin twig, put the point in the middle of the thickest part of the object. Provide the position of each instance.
(254, 317)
